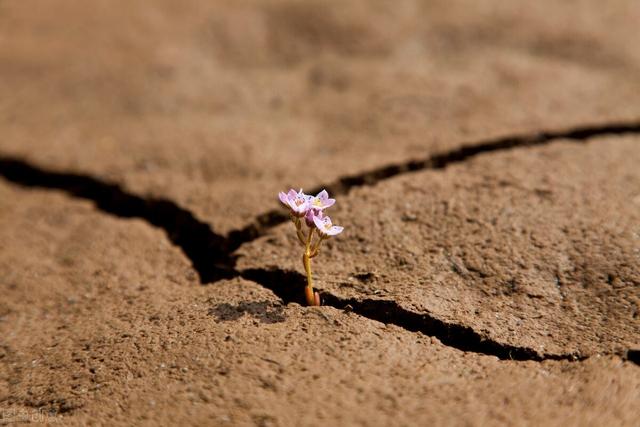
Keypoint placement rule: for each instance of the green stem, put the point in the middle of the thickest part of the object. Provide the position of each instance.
(299, 231)
(306, 260)
(316, 247)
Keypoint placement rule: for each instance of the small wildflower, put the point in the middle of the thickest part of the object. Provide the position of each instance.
(325, 227)
(311, 215)
(297, 202)
(311, 208)
(321, 200)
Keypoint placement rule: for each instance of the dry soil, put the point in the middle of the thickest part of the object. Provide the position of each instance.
(485, 160)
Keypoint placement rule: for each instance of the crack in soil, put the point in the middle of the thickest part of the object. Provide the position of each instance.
(633, 356)
(345, 184)
(212, 255)
(286, 285)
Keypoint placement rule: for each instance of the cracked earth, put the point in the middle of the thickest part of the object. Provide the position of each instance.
(485, 161)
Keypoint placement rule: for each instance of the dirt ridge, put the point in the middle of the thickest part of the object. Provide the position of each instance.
(209, 252)
(464, 338)
(212, 254)
(283, 284)
(344, 185)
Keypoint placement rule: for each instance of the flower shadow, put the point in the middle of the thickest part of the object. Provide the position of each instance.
(265, 311)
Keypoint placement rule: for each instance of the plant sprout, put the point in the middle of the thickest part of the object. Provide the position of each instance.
(309, 210)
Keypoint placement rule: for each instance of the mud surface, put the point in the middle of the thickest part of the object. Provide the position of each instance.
(485, 157)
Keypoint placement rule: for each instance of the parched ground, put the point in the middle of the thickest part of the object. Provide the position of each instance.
(485, 160)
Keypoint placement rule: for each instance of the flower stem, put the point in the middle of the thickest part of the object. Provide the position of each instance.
(316, 248)
(311, 296)
(299, 232)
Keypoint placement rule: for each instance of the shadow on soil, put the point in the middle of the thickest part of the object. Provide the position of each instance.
(633, 356)
(264, 311)
(212, 255)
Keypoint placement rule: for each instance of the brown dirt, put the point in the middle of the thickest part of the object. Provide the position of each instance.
(535, 248)
(485, 159)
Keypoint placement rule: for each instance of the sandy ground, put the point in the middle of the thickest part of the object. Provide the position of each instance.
(485, 160)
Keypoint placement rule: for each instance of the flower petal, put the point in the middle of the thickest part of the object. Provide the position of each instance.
(283, 197)
(323, 195)
(328, 203)
(335, 229)
(319, 222)
(309, 217)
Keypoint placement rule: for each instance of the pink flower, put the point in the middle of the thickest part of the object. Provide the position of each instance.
(321, 201)
(325, 227)
(297, 202)
(311, 215)
(311, 209)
